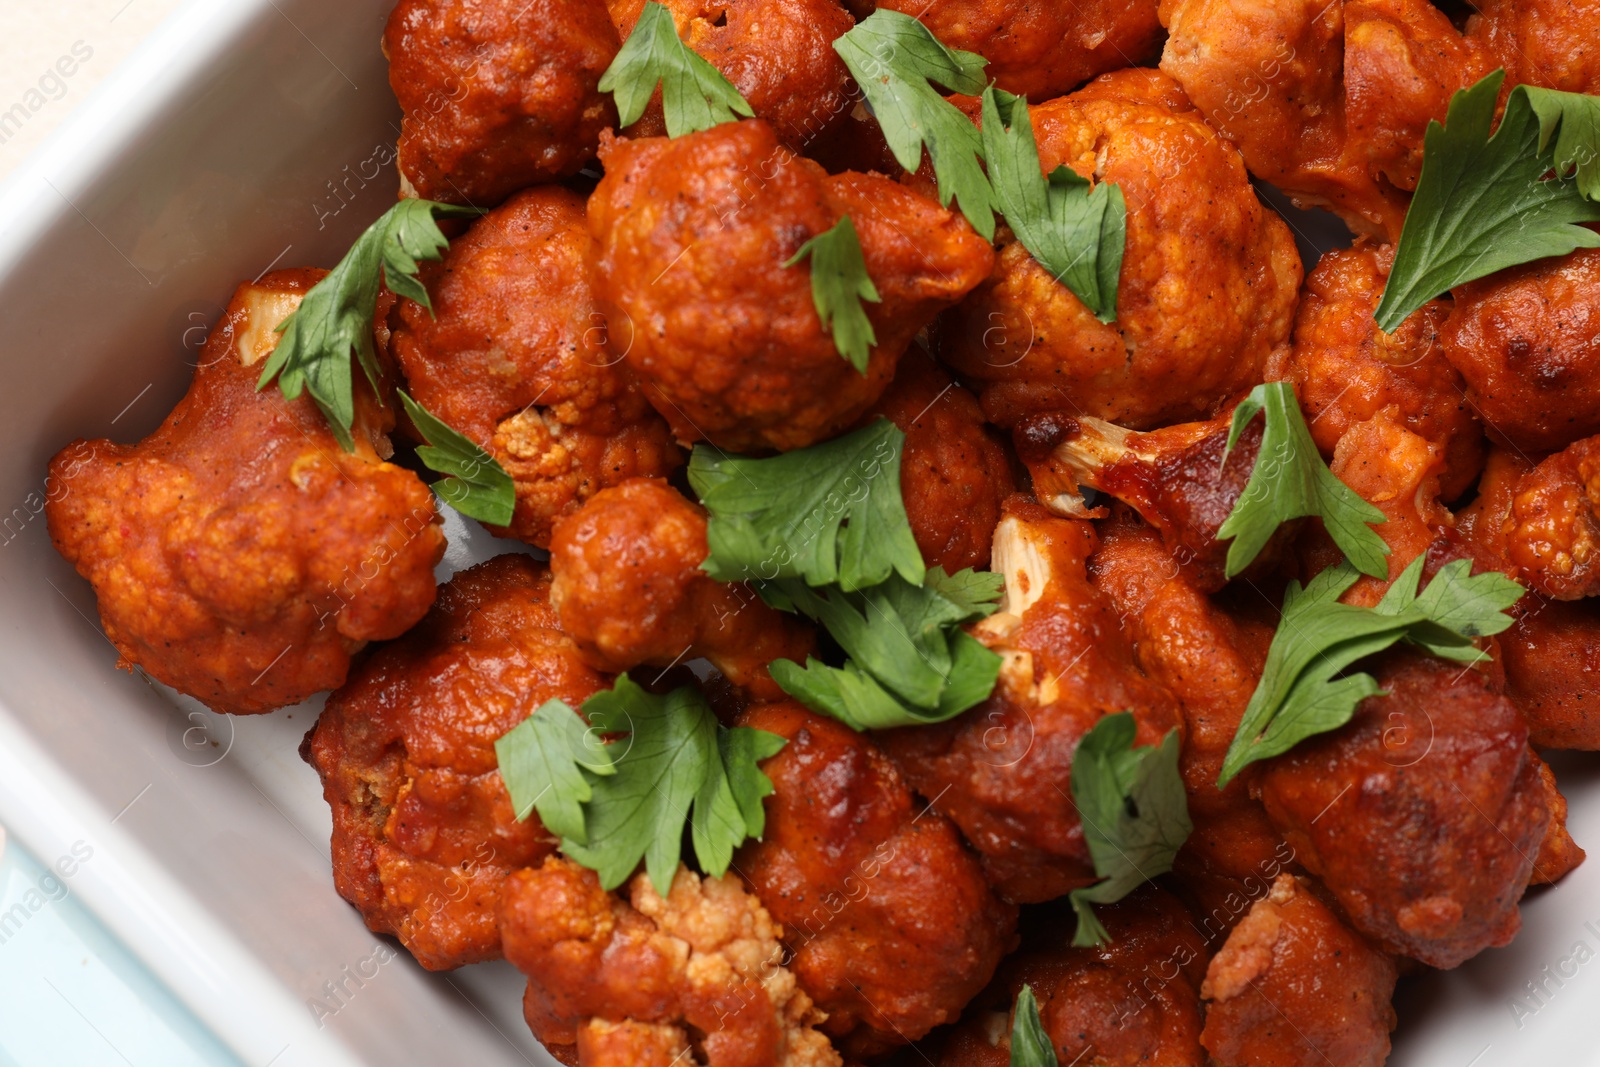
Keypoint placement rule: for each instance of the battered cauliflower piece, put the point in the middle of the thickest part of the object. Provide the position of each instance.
(1347, 371)
(1326, 100)
(1294, 987)
(1550, 43)
(777, 53)
(693, 234)
(238, 554)
(1204, 295)
(423, 828)
(890, 925)
(1043, 50)
(955, 470)
(514, 356)
(1552, 664)
(633, 981)
(1525, 341)
(1210, 658)
(497, 94)
(630, 591)
(1422, 815)
(1000, 771)
(1133, 1001)
(1552, 531)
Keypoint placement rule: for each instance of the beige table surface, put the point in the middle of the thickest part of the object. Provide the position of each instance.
(53, 53)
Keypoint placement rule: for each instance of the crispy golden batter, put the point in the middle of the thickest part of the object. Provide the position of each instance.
(1527, 341)
(955, 470)
(630, 591)
(1346, 370)
(514, 356)
(889, 923)
(1552, 43)
(1043, 50)
(777, 53)
(1000, 771)
(1204, 296)
(1131, 1002)
(238, 554)
(629, 980)
(1211, 660)
(1294, 987)
(497, 94)
(423, 829)
(1423, 815)
(693, 235)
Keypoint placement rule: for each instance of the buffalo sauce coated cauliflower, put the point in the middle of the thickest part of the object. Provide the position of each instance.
(513, 355)
(630, 981)
(423, 828)
(497, 94)
(238, 554)
(1043, 50)
(1204, 296)
(692, 236)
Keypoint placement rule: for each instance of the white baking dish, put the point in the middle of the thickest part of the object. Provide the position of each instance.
(244, 136)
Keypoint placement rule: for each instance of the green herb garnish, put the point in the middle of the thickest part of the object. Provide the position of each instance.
(631, 798)
(1134, 810)
(909, 662)
(475, 484)
(1303, 690)
(831, 513)
(894, 58)
(1484, 203)
(1076, 231)
(694, 94)
(335, 316)
(1290, 481)
(1030, 1045)
(839, 283)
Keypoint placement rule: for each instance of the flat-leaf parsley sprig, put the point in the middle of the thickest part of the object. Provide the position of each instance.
(475, 483)
(1304, 690)
(1290, 481)
(617, 803)
(897, 60)
(1487, 202)
(694, 94)
(334, 318)
(1076, 231)
(1030, 1045)
(1135, 814)
(839, 283)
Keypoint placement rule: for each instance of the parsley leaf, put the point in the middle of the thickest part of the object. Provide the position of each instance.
(543, 760)
(1572, 120)
(1482, 202)
(839, 283)
(1303, 691)
(1290, 481)
(1030, 1045)
(1135, 814)
(335, 317)
(893, 57)
(476, 485)
(908, 663)
(677, 765)
(829, 513)
(694, 94)
(1077, 232)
